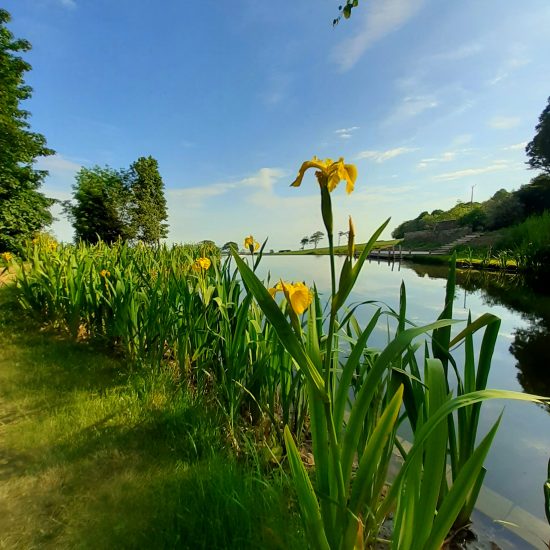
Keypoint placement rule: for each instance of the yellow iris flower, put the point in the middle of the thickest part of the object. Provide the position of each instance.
(297, 295)
(104, 273)
(7, 256)
(251, 244)
(329, 173)
(201, 263)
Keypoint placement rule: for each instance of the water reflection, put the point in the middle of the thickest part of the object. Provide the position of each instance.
(530, 348)
(530, 344)
(518, 460)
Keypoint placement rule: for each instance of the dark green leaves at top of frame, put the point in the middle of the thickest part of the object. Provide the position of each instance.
(346, 10)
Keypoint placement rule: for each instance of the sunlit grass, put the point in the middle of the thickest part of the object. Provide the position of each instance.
(94, 457)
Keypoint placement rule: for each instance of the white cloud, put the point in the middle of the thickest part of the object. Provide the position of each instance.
(346, 133)
(516, 147)
(412, 106)
(504, 122)
(68, 3)
(447, 156)
(495, 167)
(57, 163)
(379, 19)
(196, 196)
(383, 156)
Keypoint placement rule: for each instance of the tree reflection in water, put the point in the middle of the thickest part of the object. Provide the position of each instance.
(531, 345)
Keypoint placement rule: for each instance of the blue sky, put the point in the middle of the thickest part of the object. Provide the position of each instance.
(427, 98)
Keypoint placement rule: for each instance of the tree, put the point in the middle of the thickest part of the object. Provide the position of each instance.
(304, 241)
(24, 209)
(535, 196)
(316, 237)
(538, 149)
(342, 234)
(149, 205)
(502, 210)
(102, 206)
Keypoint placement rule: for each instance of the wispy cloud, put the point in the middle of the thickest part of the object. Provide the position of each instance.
(516, 147)
(495, 167)
(447, 156)
(383, 156)
(412, 106)
(278, 85)
(262, 180)
(346, 133)
(379, 20)
(57, 163)
(504, 122)
(68, 3)
(462, 52)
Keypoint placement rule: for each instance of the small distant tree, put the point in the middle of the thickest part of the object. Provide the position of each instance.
(101, 205)
(148, 201)
(342, 234)
(316, 237)
(304, 241)
(538, 149)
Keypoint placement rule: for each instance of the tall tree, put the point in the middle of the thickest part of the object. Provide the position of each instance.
(101, 207)
(538, 149)
(149, 208)
(304, 241)
(24, 209)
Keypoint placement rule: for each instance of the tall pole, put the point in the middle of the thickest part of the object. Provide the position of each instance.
(472, 194)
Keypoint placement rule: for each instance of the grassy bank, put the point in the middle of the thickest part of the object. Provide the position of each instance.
(97, 456)
(323, 251)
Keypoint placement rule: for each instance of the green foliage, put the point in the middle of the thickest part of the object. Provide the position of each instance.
(426, 221)
(502, 210)
(122, 461)
(535, 196)
(148, 202)
(111, 204)
(24, 209)
(529, 242)
(538, 149)
(101, 207)
(345, 11)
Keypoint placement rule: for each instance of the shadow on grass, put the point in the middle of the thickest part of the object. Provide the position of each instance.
(98, 457)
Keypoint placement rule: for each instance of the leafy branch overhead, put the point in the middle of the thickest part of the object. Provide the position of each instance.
(345, 10)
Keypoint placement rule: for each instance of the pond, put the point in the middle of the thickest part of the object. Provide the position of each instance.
(517, 463)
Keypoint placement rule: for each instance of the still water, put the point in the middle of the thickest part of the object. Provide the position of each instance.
(517, 463)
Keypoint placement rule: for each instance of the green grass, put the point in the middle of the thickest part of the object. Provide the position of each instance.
(343, 249)
(94, 455)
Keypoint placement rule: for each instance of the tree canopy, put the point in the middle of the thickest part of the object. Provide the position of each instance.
(149, 205)
(316, 237)
(111, 204)
(101, 206)
(24, 209)
(538, 149)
